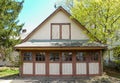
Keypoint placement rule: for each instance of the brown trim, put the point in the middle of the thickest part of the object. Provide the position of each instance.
(100, 63)
(61, 48)
(70, 31)
(47, 63)
(60, 63)
(74, 63)
(33, 56)
(87, 64)
(60, 30)
(21, 63)
(51, 31)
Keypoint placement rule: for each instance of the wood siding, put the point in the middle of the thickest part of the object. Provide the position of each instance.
(54, 69)
(67, 69)
(93, 68)
(44, 32)
(27, 68)
(81, 68)
(40, 68)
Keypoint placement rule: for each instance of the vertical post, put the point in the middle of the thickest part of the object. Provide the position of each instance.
(47, 63)
(101, 63)
(74, 63)
(33, 56)
(20, 63)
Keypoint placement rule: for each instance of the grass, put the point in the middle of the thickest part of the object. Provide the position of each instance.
(7, 71)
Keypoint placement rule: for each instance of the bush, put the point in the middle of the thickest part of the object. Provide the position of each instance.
(117, 65)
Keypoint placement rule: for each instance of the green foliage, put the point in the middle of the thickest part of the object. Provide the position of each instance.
(100, 17)
(6, 71)
(9, 27)
(117, 65)
(116, 52)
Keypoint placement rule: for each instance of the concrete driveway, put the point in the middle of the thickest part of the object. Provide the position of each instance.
(18, 81)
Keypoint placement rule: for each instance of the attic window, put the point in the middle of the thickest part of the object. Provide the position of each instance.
(60, 31)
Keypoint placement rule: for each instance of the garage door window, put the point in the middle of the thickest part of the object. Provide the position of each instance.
(40, 56)
(54, 57)
(27, 56)
(67, 56)
(81, 56)
(94, 56)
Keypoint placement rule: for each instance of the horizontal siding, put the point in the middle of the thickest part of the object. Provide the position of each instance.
(44, 32)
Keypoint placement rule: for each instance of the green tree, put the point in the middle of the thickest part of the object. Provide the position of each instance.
(100, 17)
(9, 27)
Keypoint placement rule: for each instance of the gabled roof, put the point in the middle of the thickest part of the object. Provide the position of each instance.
(56, 11)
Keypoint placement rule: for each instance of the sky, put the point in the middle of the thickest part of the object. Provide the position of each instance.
(34, 12)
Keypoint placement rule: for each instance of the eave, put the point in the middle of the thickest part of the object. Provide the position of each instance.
(62, 48)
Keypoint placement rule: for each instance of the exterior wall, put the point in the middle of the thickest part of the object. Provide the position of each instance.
(45, 30)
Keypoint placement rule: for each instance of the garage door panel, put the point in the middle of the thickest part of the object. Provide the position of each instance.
(67, 68)
(81, 68)
(93, 68)
(27, 68)
(40, 68)
(54, 68)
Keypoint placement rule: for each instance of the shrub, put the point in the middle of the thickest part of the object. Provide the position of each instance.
(117, 65)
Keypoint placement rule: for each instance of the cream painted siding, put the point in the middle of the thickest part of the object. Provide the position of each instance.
(40, 68)
(81, 68)
(93, 68)
(27, 68)
(67, 69)
(44, 32)
(65, 31)
(54, 68)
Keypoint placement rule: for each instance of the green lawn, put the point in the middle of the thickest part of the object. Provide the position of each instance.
(7, 71)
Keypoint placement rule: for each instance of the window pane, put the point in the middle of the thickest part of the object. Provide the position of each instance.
(54, 56)
(67, 56)
(80, 56)
(40, 56)
(55, 32)
(28, 56)
(65, 32)
(94, 56)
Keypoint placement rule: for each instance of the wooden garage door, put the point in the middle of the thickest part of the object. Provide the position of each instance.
(40, 64)
(81, 63)
(94, 63)
(54, 63)
(60, 63)
(67, 68)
